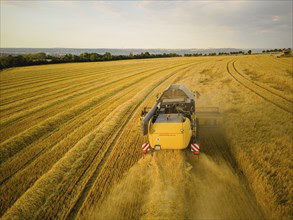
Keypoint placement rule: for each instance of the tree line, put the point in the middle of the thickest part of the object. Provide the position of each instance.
(215, 54)
(275, 50)
(7, 61)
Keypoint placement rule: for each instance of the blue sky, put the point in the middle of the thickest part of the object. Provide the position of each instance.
(146, 24)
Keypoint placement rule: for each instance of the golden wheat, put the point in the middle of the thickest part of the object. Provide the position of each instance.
(70, 131)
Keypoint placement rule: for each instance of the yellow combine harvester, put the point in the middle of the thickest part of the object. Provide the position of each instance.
(171, 123)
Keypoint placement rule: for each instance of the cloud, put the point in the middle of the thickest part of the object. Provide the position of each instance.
(156, 5)
(106, 7)
(20, 4)
(275, 18)
(152, 23)
(264, 31)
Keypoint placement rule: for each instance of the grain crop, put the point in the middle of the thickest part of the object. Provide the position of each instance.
(70, 141)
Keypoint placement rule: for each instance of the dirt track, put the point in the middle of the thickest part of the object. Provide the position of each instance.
(173, 185)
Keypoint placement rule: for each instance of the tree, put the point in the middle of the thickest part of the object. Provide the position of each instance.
(147, 54)
(6, 61)
(249, 52)
(107, 56)
(68, 58)
(84, 56)
(75, 58)
(94, 57)
(40, 56)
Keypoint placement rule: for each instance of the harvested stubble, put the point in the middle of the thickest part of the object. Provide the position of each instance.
(70, 131)
(131, 88)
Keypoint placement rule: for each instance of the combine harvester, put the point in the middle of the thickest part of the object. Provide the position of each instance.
(172, 123)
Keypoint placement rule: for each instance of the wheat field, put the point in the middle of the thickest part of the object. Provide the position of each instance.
(70, 140)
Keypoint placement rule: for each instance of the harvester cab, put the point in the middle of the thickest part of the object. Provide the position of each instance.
(171, 123)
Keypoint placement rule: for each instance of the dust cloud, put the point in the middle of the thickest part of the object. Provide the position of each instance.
(216, 192)
(176, 185)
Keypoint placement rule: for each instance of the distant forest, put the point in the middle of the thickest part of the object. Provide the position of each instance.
(7, 61)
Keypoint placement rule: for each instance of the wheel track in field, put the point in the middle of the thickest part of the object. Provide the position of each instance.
(147, 76)
(255, 83)
(123, 147)
(261, 91)
(109, 142)
(258, 65)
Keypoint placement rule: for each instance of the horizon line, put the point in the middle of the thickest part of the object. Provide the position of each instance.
(137, 48)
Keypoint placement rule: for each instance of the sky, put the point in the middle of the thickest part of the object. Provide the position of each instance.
(146, 24)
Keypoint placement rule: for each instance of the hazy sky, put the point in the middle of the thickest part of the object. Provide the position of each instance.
(146, 24)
